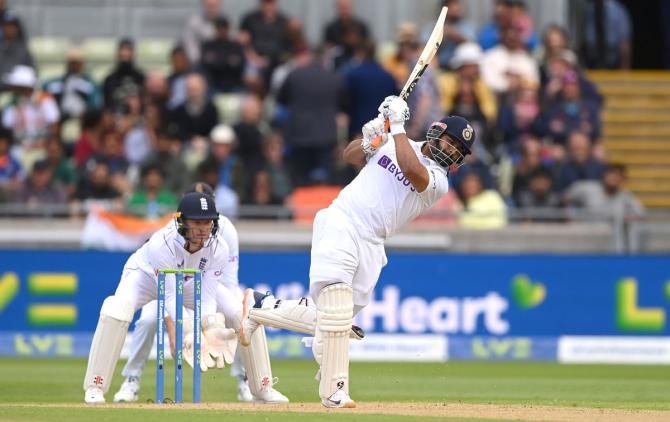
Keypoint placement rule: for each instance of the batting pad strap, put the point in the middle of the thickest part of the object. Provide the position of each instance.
(294, 315)
(118, 309)
(335, 308)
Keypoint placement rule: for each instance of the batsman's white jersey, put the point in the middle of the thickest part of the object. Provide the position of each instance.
(165, 249)
(348, 236)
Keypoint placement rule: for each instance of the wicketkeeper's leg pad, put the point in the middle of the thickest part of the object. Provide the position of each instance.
(115, 316)
(333, 321)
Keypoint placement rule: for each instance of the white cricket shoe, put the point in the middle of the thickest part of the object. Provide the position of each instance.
(129, 391)
(243, 393)
(339, 399)
(270, 396)
(251, 299)
(94, 395)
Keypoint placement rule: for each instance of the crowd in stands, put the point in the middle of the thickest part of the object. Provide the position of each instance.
(143, 136)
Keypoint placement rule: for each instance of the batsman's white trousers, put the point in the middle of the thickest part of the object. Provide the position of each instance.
(340, 254)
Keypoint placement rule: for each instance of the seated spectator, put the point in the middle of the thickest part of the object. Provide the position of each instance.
(571, 112)
(32, 116)
(156, 90)
(520, 117)
(506, 65)
(40, 189)
(89, 140)
(539, 199)
(125, 79)
(616, 51)
(280, 177)
(261, 190)
(554, 42)
(75, 92)
(61, 166)
(531, 158)
(180, 68)
(140, 140)
(248, 133)
(457, 30)
(605, 198)
(472, 164)
(505, 12)
(11, 172)
(166, 156)
(483, 209)
(13, 46)
(230, 168)
(197, 116)
(367, 84)
(557, 67)
(227, 201)
(223, 60)
(200, 28)
(579, 163)
(97, 183)
(152, 200)
(466, 104)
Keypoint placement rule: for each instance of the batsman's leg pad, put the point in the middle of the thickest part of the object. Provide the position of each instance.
(142, 341)
(115, 316)
(256, 361)
(333, 320)
(294, 315)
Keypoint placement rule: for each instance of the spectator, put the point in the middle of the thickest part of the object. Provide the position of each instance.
(280, 177)
(472, 164)
(197, 116)
(40, 189)
(61, 166)
(368, 84)
(605, 197)
(457, 30)
(223, 60)
(520, 16)
(181, 66)
(96, 183)
(579, 164)
(556, 69)
(11, 173)
(261, 190)
(166, 156)
(539, 199)
(75, 92)
(407, 42)
(505, 12)
(298, 48)
(554, 42)
(506, 65)
(529, 161)
(13, 46)
(607, 42)
(89, 140)
(32, 116)
(125, 79)
(483, 209)
(571, 112)
(520, 118)
(466, 104)
(141, 139)
(227, 201)
(264, 33)
(152, 200)
(248, 133)
(156, 90)
(334, 34)
(200, 28)
(313, 96)
(4, 12)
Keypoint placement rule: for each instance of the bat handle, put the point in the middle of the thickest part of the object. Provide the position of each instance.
(377, 141)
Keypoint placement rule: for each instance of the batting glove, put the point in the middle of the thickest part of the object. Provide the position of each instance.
(374, 135)
(395, 109)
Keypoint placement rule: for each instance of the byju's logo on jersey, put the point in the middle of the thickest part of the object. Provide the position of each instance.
(203, 204)
(388, 164)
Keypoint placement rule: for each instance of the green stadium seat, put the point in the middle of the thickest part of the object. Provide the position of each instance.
(154, 51)
(100, 50)
(100, 72)
(228, 106)
(48, 49)
(50, 71)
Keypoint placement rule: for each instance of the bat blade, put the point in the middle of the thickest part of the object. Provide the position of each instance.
(426, 56)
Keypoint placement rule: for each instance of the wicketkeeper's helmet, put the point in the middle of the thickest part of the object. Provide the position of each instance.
(196, 206)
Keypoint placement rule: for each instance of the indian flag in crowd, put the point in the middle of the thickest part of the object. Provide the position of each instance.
(118, 232)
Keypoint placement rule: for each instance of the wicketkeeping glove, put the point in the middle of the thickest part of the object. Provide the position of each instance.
(395, 109)
(206, 359)
(222, 341)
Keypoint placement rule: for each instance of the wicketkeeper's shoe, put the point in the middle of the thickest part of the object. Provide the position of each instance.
(339, 399)
(243, 392)
(129, 391)
(270, 396)
(94, 395)
(251, 299)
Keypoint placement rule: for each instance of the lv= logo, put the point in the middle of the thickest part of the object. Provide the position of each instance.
(630, 316)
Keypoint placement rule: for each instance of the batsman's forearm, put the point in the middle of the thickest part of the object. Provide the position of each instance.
(353, 153)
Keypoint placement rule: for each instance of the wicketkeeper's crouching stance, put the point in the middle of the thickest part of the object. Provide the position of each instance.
(400, 179)
(191, 242)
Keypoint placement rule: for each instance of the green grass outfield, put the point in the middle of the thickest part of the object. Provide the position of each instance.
(629, 388)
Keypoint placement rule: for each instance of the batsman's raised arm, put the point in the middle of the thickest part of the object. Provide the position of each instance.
(360, 150)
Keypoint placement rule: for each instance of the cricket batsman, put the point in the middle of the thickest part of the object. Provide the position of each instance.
(399, 180)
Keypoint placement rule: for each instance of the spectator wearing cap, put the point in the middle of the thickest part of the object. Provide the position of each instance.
(197, 116)
(13, 45)
(457, 30)
(11, 172)
(75, 92)
(40, 189)
(367, 84)
(571, 112)
(125, 79)
(152, 200)
(223, 60)
(506, 65)
(32, 115)
(200, 28)
(505, 12)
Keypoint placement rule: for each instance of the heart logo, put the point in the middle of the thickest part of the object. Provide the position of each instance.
(667, 290)
(9, 288)
(527, 294)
